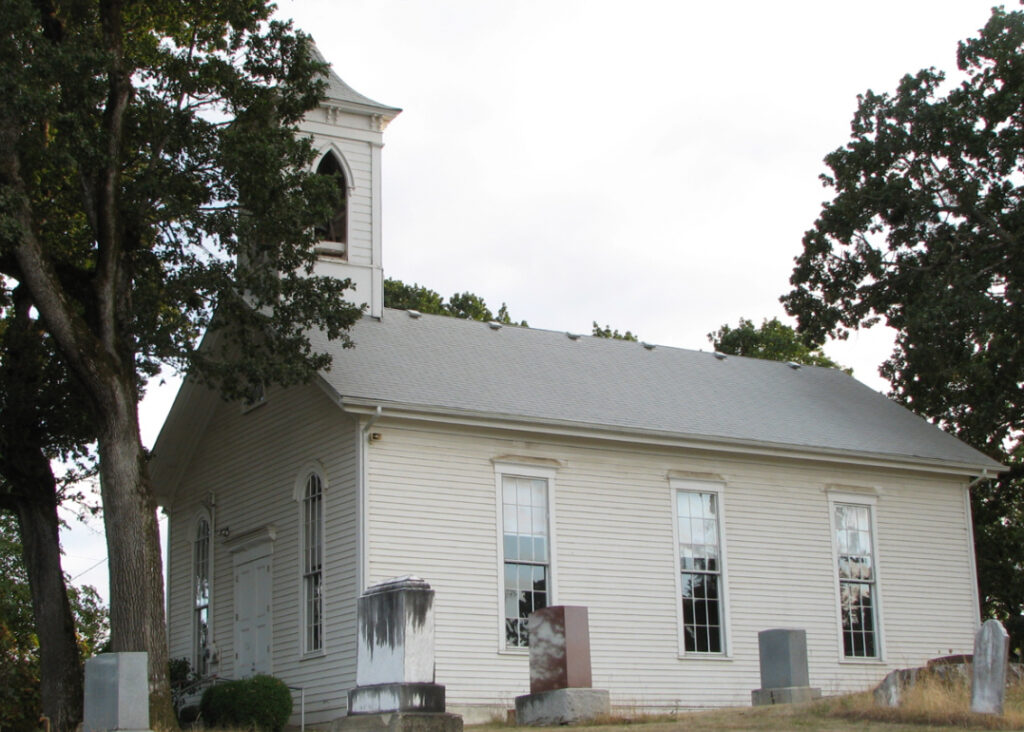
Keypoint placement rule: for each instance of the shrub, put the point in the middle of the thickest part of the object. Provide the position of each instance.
(262, 702)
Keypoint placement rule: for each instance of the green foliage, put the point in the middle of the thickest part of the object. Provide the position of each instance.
(215, 203)
(464, 305)
(773, 340)
(20, 705)
(924, 232)
(263, 702)
(607, 332)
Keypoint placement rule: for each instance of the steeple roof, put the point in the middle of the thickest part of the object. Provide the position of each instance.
(340, 92)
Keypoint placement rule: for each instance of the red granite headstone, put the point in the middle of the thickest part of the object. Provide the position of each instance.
(559, 648)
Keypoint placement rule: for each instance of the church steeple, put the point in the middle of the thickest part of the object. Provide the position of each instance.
(347, 131)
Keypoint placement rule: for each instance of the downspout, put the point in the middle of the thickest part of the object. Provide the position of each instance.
(362, 441)
(970, 537)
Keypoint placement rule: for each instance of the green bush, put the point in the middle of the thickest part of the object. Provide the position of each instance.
(262, 702)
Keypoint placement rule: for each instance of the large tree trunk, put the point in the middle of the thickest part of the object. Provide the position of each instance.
(59, 658)
(133, 547)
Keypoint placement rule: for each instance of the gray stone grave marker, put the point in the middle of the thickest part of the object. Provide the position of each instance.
(560, 679)
(395, 685)
(988, 679)
(116, 692)
(784, 678)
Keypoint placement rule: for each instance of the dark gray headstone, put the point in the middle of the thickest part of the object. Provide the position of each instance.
(783, 658)
(988, 682)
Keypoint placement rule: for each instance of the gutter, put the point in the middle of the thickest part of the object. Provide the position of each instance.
(362, 500)
(643, 436)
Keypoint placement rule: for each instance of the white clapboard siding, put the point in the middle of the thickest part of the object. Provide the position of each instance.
(433, 513)
(251, 460)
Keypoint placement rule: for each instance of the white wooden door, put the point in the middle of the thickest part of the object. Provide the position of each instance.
(252, 618)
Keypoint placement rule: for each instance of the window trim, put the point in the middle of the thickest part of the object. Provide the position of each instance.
(868, 500)
(299, 495)
(524, 469)
(690, 485)
(200, 516)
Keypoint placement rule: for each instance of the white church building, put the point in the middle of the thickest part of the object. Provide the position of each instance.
(688, 499)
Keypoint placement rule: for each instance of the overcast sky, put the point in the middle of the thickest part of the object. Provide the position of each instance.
(648, 165)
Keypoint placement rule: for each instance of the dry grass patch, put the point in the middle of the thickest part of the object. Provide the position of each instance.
(935, 702)
(932, 705)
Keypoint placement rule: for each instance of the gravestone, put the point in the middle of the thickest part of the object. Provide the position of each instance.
(988, 679)
(560, 679)
(116, 692)
(395, 685)
(784, 678)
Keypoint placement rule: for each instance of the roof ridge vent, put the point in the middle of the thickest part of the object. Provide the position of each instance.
(414, 314)
(720, 356)
(494, 325)
(573, 336)
(793, 365)
(648, 346)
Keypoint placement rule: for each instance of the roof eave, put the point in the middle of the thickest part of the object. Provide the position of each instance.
(363, 405)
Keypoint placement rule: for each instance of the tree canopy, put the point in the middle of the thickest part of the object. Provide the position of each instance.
(153, 189)
(923, 232)
(608, 332)
(773, 340)
(465, 305)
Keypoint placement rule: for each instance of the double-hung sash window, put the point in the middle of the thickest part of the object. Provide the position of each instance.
(526, 547)
(854, 541)
(201, 598)
(312, 564)
(701, 583)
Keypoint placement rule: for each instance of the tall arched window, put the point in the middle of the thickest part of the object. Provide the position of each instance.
(312, 564)
(201, 598)
(336, 228)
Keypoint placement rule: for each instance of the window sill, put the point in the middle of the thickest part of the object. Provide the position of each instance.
(332, 249)
(514, 652)
(862, 661)
(313, 654)
(717, 657)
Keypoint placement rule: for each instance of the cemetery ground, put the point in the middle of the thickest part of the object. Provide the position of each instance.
(928, 706)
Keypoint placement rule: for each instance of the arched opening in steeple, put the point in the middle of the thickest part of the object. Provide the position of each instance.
(335, 229)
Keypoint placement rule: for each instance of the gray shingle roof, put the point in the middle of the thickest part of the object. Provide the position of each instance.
(339, 91)
(447, 364)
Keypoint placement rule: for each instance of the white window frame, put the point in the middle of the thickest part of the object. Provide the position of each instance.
(522, 470)
(686, 485)
(202, 516)
(299, 495)
(869, 501)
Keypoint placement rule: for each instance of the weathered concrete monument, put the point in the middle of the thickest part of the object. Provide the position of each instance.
(784, 678)
(395, 685)
(988, 676)
(560, 680)
(116, 692)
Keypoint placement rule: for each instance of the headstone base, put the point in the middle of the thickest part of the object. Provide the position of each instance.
(402, 697)
(562, 706)
(784, 695)
(400, 722)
